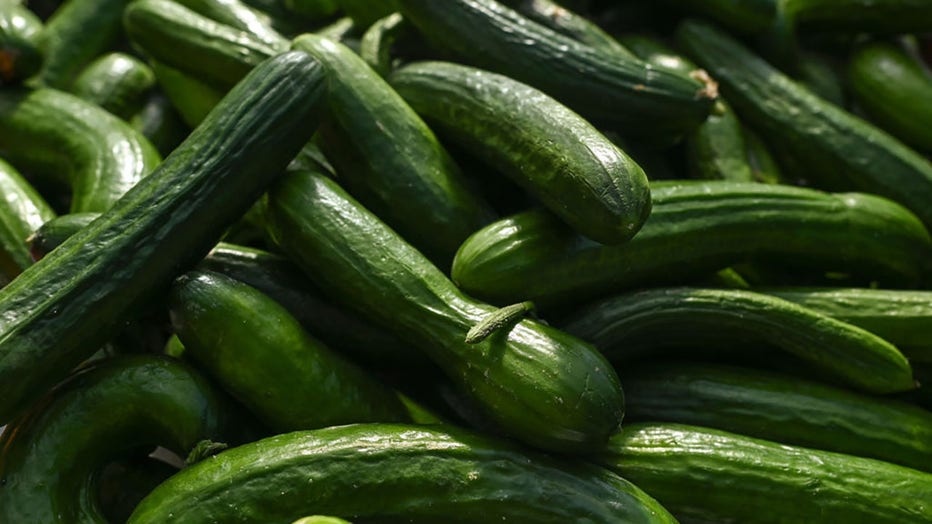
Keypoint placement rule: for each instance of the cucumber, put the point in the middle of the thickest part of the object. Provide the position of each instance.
(159, 122)
(747, 17)
(783, 409)
(20, 55)
(717, 149)
(388, 158)
(50, 459)
(695, 228)
(872, 16)
(810, 135)
(716, 476)
(57, 135)
(437, 475)
(54, 231)
(764, 167)
(622, 92)
(540, 144)
(116, 82)
(60, 310)
(895, 91)
(655, 52)
(193, 99)
(313, 8)
(376, 45)
(260, 354)
(365, 12)
(545, 387)
(564, 21)
(22, 211)
(239, 15)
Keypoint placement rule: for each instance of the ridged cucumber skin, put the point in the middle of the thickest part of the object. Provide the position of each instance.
(376, 45)
(643, 322)
(783, 409)
(901, 317)
(811, 136)
(193, 98)
(239, 15)
(695, 228)
(716, 150)
(541, 385)
(116, 82)
(55, 134)
(636, 99)
(435, 475)
(60, 310)
(49, 459)
(22, 211)
(262, 356)
(389, 159)
(872, 16)
(20, 55)
(895, 90)
(568, 23)
(723, 477)
(539, 143)
(207, 50)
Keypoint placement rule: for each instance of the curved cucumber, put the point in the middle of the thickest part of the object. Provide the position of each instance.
(541, 385)
(60, 310)
(695, 228)
(22, 211)
(239, 15)
(716, 476)
(543, 146)
(74, 142)
(116, 82)
(437, 475)
(20, 56)
(50, 458)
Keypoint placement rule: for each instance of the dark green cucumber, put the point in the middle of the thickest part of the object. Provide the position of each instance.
(543, 146)
(895, 91)
(414, 474)
(365, 12)
(764, 167)
(541, 385)
(376, 45)
(388, 158)
(22, 211)
(239, 15)
(60, 310)
(657, 53)
(313, 9)
(159, 122)
(645, 322)
(116, 82)
(54, 231)
(50, 458)
(57, 135)
(640, 101)
(715, 476)
(695, 228)
(749, 17)
(193, 99)
(716, 150)
(20, 55)
(562, 20)
(810, 135)
(872, 16)
(781, 408)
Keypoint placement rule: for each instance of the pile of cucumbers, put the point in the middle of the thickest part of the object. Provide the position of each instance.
(329, 261)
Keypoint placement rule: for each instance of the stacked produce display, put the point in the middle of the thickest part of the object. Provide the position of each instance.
(329, 261)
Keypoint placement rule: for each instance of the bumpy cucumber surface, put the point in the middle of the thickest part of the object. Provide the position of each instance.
(543, 146)
(60, 310)
(20, 56)
(403, 473)
(541, 385)
(22, 211)
(116, 82)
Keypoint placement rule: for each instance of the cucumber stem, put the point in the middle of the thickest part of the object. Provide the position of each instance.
(497, 320)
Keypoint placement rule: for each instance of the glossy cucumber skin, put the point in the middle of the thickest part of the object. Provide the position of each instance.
(634, 324)
(718, 476)
(638, 100)
(895, 90)
(239, 15)
(50, 458)
(60, 310)
(20, 55)
(53, 232)
(193, 98)
(811, 136)
(22, 211)
(438, 474)
(657, 53)
(74, 142)
(695, 228)
(116, 82)
(566, 22)
(525, 378)
(716, 149)
(781, 408)
(376, 45)
(539, 143)
(390, 160)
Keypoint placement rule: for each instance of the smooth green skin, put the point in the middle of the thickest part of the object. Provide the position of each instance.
(193, 99)
(160, 123)
(810, 135)
(207, 50)
(646, 322)
(74, 142)
(375, 48)
(22, 211)
(389, 159)
(60, 310)
(657, 53)
(116, 82)
(638, 100)
(262, 356)
(568, 23)
(895, 90)
(696, 228)
(50, 459)
(541, 385)
(54, 231)
(903, 318)
(239, 15)
(537, 142)
(781, 408)
(717, 150)
(20, 56)
(365, 12)
(393, 473)
(723, 477)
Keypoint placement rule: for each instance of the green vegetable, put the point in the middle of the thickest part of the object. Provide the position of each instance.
(116, 82)
(717, 149)
(193, 99)
(239, 15)
(160, 123)
(22, 211)
(376, 45)
(20, 56)
(566, 22)
(504, 317)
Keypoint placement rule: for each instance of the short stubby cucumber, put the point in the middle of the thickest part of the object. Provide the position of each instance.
(22, 212)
